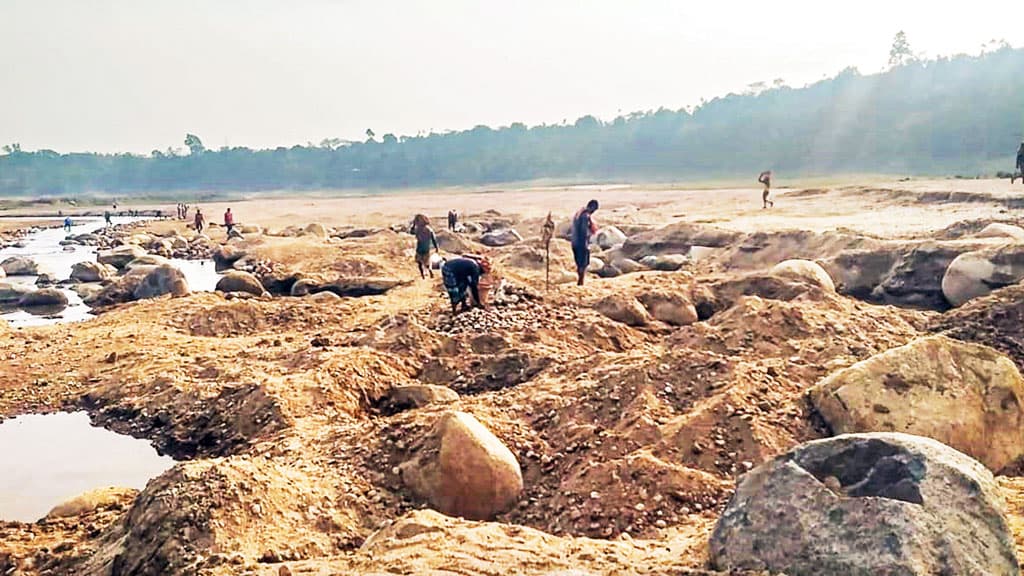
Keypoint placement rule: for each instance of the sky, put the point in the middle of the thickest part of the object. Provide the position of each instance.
(137, 75)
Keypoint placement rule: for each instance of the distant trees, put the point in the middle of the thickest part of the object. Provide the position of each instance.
(194, 144)
(900, 52)
(960, 114)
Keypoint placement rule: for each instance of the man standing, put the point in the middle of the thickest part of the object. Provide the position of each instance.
(200, 221)
(583, 228)
(67, 224)
(766, 179)
(106, 218)
(424, 238)
(229, 221)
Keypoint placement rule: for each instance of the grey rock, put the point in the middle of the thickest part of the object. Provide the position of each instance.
(881, 503)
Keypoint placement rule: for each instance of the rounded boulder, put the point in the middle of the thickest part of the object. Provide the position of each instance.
(967, 396)
(238, 281)
(882, 503)
(464, 470)
(804, 270)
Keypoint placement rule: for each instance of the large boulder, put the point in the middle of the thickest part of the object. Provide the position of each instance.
(238, 281)
(44, 298)
(879, 503)
(463, 469)
(161, 280)
(978, 273)
(669, 307)
(92, 272)
(623, 308)
(120, 256)
(501, 237)
(1000, 230)
(968, 396)
(224, 257)
(19, 266)
(805, 270)
(608, 237)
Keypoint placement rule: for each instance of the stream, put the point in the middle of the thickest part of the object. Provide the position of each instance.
(45, 249)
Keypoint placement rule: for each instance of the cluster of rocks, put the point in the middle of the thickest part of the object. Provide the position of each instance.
(42, 300)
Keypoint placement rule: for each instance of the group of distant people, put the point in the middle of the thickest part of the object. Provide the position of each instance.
(462, 275)
(182, 210)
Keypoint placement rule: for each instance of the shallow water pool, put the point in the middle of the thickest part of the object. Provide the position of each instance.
(49, 458)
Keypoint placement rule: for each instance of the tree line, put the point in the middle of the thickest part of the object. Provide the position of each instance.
(961, 114)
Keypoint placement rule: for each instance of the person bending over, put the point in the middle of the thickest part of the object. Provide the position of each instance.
(461, 277)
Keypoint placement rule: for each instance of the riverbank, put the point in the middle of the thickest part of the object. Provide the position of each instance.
(305, 417)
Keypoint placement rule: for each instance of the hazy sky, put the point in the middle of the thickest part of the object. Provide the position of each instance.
(134, 75)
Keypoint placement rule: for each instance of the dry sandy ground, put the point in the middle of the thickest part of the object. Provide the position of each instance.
(854, 205)
(274, 404)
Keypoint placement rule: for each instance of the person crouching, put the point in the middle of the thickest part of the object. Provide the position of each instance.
(462, 275)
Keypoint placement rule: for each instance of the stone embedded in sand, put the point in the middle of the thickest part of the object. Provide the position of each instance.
(805, 270)
(420, 395)
(464, 470)
(866, 504)
(501, 237)
(45, 297)
(965, 395)
(978, 273)
(238, 281)
(146, 260)
(140, 239)
(162, 280)
(179, 242)
(608, 237)
(317, 229)
(120, 256)
(664, 262)
(45, 279)
(93, 500)
(1000, 230)
(92, 272)
(20, 266)
(452, 242)
(669, 307)
(623, 308)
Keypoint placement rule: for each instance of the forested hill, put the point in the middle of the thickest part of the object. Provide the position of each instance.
(952, 115)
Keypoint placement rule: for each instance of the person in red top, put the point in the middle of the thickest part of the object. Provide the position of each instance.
(583, 228)
(229, 220)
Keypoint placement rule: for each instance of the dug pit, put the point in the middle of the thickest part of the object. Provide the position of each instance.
(51, 458)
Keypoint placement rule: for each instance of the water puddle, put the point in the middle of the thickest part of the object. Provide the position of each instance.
(49, 458)
(44, 248)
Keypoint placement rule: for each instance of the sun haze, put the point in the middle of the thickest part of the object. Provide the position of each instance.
(121, 75)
